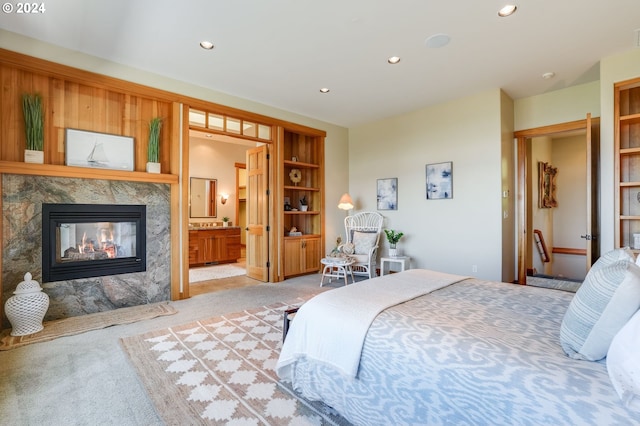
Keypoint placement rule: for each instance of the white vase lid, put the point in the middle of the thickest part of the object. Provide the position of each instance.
(28, 285)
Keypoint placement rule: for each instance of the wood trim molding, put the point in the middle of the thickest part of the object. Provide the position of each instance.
(552, 129)
(564, 250)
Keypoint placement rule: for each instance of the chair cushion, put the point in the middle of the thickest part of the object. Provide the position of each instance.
(623, 365)
(360, 258)
(364, 241)
(607, 298)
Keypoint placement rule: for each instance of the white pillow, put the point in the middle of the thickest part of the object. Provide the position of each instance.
(623, 253)
(364, 241)
(603, 304)
(623, 363)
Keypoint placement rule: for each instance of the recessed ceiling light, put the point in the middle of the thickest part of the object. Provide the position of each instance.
(206, 45)
(437, 41)
(324, 90)
(548, 75)
(508, 10)
(393, 59)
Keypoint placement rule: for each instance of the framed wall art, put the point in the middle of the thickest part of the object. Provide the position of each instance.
(547, 185)
(440, 181)
(387, 194)
(98, 150)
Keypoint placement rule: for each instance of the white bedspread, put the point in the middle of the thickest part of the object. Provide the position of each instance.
(346, 314)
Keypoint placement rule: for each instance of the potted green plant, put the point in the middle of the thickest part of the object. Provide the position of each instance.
(225, 221)
(153, 150)
(304, 204)
(34, 128)
(393, 237)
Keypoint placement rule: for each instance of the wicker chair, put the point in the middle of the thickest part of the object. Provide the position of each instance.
(363, 236)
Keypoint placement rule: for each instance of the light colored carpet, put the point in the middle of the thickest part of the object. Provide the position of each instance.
(82, 324)
(555, 283)
(87, 379)
(221, 370)
(207, 273)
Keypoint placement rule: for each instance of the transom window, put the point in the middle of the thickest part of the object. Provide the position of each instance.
(221, 123)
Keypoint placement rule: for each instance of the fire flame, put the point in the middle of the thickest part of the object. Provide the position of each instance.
(106, 244)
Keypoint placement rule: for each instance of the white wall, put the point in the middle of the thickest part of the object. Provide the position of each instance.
(560, 106)
(446, 235)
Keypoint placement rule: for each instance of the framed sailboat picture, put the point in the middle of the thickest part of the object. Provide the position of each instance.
(98, 150)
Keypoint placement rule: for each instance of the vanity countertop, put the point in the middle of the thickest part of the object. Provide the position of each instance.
(207, 228)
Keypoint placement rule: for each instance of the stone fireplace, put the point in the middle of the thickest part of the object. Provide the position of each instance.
(23, 197)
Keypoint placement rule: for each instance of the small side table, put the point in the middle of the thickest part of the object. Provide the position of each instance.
(337, 267)
(404, 261)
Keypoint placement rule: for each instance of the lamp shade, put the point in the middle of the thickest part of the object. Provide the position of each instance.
(345, 203)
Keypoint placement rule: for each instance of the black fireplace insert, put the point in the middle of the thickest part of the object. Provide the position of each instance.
(92, 240)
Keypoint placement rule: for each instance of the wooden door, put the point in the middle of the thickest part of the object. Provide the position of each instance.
(292, 256)
(311, 253)
(257, 214)
(593, 200)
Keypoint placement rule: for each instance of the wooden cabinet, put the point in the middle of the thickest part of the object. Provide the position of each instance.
(211, 246)
(627, 156)
(302, 168)
(302, 255)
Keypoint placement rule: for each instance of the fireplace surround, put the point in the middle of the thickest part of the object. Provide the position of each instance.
(22, 199)
(92, 240)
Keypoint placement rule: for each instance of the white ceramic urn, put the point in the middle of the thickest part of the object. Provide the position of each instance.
(27, 307)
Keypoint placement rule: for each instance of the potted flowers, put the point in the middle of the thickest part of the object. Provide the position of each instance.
(225, 221)
(153, 150)
(393, 237)
(34, 128)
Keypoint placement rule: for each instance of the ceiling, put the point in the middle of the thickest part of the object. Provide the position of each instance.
(281, 52)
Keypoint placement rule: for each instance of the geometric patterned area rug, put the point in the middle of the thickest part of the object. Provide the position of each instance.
(222, 371)
(216, 272)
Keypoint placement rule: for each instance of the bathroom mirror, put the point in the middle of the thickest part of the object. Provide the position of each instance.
(202, 201)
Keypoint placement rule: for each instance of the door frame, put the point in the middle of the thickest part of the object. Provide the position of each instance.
(240, 166)
(523, 138)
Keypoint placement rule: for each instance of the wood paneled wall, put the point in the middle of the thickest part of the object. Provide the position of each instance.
(78, 105)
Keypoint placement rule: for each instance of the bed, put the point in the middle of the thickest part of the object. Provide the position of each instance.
(465, 351)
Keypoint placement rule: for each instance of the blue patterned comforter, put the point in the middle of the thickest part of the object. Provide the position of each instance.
(473, 353)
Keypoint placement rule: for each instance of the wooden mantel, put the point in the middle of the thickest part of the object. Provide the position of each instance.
(17, 168)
